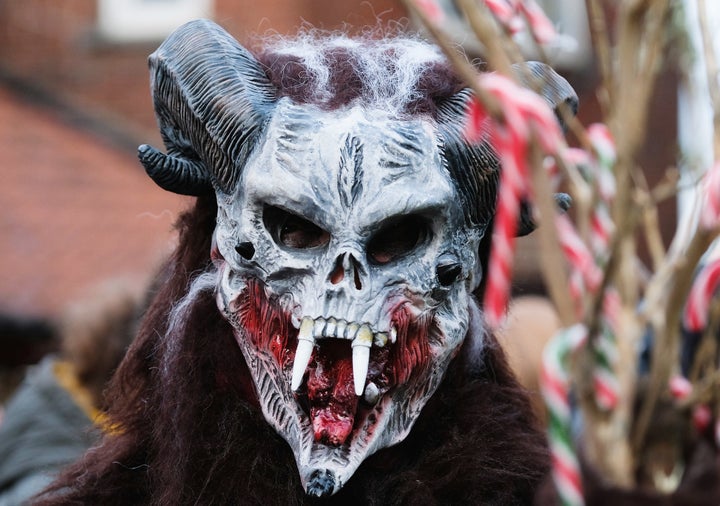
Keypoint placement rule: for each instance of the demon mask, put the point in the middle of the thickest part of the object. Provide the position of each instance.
(348, 231)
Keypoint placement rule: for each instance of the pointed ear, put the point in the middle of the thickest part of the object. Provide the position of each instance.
(212, 99)
(562, 99)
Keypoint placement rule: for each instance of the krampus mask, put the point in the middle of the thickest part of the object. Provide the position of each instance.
(351, 217)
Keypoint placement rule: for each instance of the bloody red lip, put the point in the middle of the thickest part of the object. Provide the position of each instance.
(327, 394)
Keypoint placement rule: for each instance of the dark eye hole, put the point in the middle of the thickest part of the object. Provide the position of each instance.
(398, 238)
(292, 231)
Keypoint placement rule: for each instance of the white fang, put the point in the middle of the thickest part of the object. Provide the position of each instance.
(304, 350)
(361, 357)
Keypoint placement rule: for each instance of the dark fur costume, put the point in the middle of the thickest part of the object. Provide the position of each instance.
(196, 436)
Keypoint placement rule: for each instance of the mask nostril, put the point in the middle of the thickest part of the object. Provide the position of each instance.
(245, 250)
(338, 272)
(356, 271)
(343, 265)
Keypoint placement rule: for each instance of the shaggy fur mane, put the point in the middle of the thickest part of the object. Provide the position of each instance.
(401, 75)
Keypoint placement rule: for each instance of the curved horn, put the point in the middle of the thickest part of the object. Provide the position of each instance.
(474, 167)
(212, 99)
(559, 94)
(550, 85)
(175, 174)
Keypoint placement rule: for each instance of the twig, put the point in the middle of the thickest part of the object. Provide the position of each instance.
(712, 74)
(553, 266)
(466, 71)
(599, 28)
(651, 224)
(489, 36)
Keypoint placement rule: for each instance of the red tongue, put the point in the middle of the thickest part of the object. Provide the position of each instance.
(333, 402)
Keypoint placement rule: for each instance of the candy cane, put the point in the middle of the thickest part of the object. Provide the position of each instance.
(523, 112)
(710, 215)
(555, 388)
(697, 307)
(540, 25)
(506, 13)
(512, 187)
(577, 252)
(605, 380)
(598, 170)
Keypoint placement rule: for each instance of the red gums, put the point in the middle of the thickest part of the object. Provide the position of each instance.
(412, 349)
(266, 325)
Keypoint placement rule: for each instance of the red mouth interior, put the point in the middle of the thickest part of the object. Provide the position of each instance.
(330, 389)
(328, 394)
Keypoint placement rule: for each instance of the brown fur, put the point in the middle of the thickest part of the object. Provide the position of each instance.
(290, 76)
(195, 435)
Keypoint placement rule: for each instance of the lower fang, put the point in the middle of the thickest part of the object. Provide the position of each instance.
(361, 357)
(372, 393)
(302, 359)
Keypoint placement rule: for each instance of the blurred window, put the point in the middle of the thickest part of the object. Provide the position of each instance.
(127, 21)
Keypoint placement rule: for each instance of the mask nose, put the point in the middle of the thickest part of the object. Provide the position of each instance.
(347, 268)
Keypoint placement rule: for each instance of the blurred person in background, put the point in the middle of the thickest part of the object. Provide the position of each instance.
(57, 412)
(24, 341)
(531, 322)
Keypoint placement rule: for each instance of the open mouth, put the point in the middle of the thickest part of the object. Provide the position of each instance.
(339, 371)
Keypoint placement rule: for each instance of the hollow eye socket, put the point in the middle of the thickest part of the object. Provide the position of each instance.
(398, 238)
(292, 231)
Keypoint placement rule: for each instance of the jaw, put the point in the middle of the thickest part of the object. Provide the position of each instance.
(329, 428)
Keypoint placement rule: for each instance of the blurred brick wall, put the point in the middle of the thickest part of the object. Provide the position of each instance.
(54, 47)
(76, 207)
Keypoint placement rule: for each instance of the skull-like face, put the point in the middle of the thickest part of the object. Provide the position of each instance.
(345, 271)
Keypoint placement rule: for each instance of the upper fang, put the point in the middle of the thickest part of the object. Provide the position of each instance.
(361, 357)
(304, 350)
(361, 335)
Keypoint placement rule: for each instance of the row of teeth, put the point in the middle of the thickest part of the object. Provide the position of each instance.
(361, 335)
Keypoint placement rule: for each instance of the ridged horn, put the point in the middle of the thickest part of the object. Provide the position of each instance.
(212, 99)
(550, 85)
(178, 175)
(474, 167)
